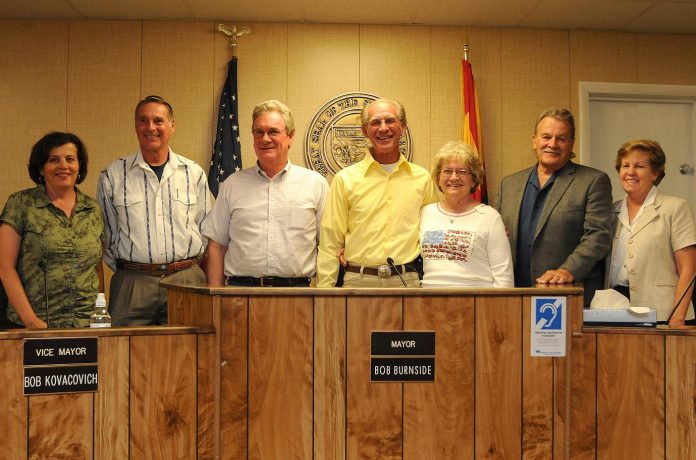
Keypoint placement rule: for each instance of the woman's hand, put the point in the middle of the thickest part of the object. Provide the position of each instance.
(35, 323)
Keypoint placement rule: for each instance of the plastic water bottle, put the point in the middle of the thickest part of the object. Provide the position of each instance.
(100, 317)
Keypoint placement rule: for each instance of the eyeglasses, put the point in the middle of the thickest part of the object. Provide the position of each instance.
(272, 133)
(377, 122)
(460, 172)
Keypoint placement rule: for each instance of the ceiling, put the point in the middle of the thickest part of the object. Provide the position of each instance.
(676, 16)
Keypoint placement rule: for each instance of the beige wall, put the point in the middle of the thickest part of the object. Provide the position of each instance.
(86, 76)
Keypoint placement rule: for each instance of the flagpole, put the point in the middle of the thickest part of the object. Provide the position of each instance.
(226, 157)
(465, 45)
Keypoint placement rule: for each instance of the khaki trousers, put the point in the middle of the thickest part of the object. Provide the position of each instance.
(352, 279)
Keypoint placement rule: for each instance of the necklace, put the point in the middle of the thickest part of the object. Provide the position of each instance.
(451, 216)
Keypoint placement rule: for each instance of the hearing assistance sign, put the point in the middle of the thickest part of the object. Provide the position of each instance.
(548, 323)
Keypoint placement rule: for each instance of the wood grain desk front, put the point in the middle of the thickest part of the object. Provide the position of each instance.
(293, 378)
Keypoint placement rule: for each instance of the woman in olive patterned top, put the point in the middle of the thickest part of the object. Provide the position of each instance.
(51, 240)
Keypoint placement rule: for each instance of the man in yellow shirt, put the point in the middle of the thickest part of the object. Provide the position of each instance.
(373, 208)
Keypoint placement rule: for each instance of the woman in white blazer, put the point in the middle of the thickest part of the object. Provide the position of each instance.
(653, 256)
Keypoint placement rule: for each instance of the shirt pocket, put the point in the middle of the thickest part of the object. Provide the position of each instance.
(130, 208)
(301, 216)
(185, 201)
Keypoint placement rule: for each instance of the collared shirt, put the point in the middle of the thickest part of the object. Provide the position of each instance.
(269, 225)
(58, 255)
(618, 274)
(530, 211)
(149, 220)
(373, 215)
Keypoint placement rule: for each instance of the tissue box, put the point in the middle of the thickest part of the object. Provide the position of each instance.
(618, 318)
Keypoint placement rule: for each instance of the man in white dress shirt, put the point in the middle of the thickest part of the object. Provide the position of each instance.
(153, 202)
(264, 227)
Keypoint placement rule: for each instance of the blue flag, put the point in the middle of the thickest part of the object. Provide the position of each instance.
(227, 151)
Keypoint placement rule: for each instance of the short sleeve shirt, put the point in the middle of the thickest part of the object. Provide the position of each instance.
(58, 255)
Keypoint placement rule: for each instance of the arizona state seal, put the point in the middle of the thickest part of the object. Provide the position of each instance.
(335, 139)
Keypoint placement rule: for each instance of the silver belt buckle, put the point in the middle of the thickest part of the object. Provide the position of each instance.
(163, 267)
(384, 271)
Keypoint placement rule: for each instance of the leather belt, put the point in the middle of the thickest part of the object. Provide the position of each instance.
(157, 269)
(383, 271)
(267, 281)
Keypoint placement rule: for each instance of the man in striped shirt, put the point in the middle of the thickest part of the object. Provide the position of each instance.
(153, 202)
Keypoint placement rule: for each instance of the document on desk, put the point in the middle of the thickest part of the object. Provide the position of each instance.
(548, 326)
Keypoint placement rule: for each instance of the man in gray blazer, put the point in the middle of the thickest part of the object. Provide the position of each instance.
(557, 213)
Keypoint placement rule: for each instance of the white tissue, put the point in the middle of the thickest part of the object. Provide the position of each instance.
(609, 299)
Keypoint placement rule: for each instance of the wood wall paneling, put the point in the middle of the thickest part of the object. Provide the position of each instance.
(666, 59)
(534, 76)
(192, 309)
(439, 416)
(680, 397)
(566, 425)
(104, 78)
(64, 70)
(177, 64)
(445, 90)
(33, 92)
(232, 333)
(583, 398)
(330, 378)
(280, 377)
(207, 401)
(395, 63)
(263, 75)
(111, 402)
(499, 388)
(626, 364)
(485, 57)
(66, 410)
(13, 424)
(374, 431)
(323, 62)
(538, 396)
(163, 397)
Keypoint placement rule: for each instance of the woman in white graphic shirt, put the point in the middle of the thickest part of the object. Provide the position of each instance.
(463, 242)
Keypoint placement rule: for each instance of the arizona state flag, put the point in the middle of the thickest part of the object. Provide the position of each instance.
(227, 151)
(471, 123)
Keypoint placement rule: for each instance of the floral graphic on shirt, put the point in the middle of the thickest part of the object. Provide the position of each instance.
(448, 245)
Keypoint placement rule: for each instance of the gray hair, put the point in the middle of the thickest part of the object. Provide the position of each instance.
(274, 105)
(560, 115)
(400, 110)
(457, 150)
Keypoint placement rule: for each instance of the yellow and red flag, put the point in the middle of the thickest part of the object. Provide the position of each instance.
(471, 123)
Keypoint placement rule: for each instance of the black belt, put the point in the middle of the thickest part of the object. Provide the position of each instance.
(375, 271)
(268, 281)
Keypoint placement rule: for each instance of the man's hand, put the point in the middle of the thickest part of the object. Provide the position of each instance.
(558, 276)
(341, 257)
